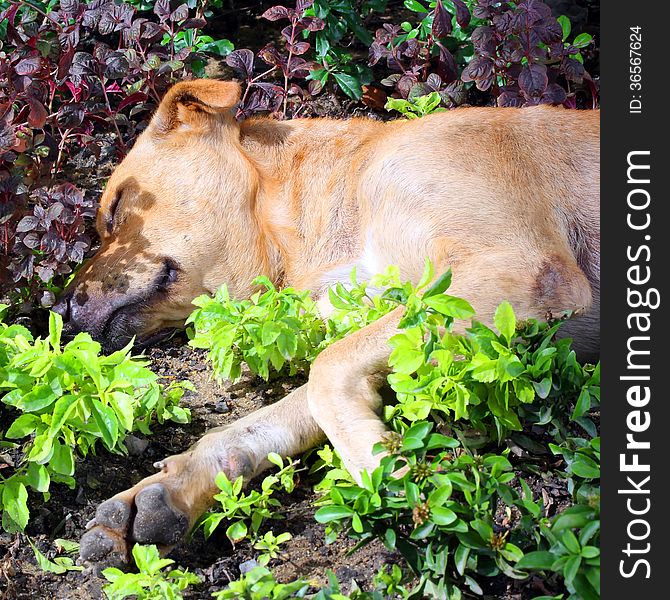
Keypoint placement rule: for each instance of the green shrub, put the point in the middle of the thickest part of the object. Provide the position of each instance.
(151, 582)
(62, 400)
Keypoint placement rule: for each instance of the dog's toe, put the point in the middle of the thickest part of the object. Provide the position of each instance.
(102, 545)
(114, 514)
(157, 521)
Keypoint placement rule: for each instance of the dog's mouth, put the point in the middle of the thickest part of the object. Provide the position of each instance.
(125, 323)
(116, 320)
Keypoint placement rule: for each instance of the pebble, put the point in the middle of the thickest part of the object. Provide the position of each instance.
(136, 446)
(247, 566)
(221, 407)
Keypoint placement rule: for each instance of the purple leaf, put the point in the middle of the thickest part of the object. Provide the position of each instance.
(462, 13)
(484, 40)
(312, 23)
(28, 66)
(554, 94)
(242, 61)
(162, 9)
(299, 47)
(302, 5)
(71, 7)
(180, 13)
(573, 70)
(28, 223)
(276, 13)
(533, 80)
(441, 21)
(479, 70)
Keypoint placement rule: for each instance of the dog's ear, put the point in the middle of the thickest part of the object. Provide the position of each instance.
(195, 103)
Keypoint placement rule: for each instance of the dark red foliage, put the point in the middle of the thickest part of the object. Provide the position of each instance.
(86, 69)
(281, 89)
(520, 55)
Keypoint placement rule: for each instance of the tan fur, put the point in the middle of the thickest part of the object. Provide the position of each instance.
(507, 198)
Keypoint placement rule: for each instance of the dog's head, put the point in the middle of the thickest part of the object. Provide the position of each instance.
(175, 221)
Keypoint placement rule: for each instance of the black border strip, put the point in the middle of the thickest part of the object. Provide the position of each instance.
(625, 131)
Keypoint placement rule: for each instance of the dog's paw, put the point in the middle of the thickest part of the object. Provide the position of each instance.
(148, 516)
(162, 508)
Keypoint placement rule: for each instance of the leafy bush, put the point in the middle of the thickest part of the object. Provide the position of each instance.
(247, 512)
(72, 71)
(151, 582)
(435, 497)
(522, 54)
(517, 51)
(62, 400)
(280, 331)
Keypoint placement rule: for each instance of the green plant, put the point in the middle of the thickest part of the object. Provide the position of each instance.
(260, 584)
(487, 377)
(270, 544)
(60, 564)
(249, 511)
(274, 329)
(414, 108)
(59, 400)
(440, 489)
(281, 331)
(151, 582)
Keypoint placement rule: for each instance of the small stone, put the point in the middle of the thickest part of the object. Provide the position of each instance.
(247, 566)
(221, 407)
(136, 446)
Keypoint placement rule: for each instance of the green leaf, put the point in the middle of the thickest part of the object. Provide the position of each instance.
(571, 568)
(218, 47)
(440, 286)
(566, 26)
(62, 460)
(61, 412)
(538, 560)
(582, 40)
(237, 531)
(22, 426)
(106, 421)
(37, 477)
(450, 306)
(505, 321)
(349, 84)
(415, 6)
(15, 502)
(442, 516)
(326, 514)
(40, 397)
(583, 404)
(570, 541)
(461, 558)
(585, 467)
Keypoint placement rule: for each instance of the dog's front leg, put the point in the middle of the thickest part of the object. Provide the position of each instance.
(162, 508)
(343, 391)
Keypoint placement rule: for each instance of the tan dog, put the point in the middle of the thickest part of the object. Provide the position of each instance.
(508, 198)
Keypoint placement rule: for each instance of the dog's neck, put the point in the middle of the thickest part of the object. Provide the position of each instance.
(305, 196)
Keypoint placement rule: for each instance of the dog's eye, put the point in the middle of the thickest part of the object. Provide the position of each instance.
(111, 213)
(169, 274)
